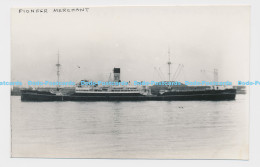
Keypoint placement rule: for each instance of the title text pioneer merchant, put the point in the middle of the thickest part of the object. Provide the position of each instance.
(55, 10)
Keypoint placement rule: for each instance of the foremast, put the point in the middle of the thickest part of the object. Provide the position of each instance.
(58, 71)
(169, 64)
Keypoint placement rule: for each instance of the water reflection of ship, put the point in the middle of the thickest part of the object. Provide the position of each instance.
(128, 92)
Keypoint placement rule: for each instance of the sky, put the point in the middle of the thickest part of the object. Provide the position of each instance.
(136, 39)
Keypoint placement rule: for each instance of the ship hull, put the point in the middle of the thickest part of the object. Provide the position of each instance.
(210, 95)
(31, 95)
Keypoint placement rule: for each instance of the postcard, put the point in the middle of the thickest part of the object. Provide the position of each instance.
(130, 82)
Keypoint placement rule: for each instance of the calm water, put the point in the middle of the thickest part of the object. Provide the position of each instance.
(191, 129)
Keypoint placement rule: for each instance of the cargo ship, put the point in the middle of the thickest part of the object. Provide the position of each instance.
(127, 92)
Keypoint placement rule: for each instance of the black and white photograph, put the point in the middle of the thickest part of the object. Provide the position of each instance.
(130, 82)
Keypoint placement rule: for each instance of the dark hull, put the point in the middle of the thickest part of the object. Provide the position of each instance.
(211, 95)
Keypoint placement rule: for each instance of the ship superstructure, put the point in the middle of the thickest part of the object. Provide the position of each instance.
(110, 90)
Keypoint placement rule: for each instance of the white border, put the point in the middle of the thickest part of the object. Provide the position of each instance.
(5, 159)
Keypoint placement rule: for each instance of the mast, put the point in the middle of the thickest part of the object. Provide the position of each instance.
(215, 75)
(169, 64)
(58, 71)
